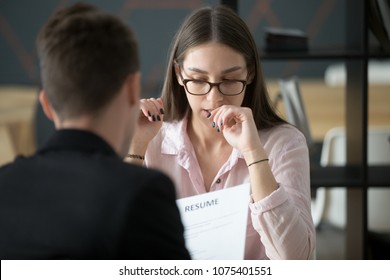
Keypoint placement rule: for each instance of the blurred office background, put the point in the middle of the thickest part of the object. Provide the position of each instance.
(23, 127)
(155, 23)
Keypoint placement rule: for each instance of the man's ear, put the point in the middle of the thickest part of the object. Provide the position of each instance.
(47, 109)
(133, 85)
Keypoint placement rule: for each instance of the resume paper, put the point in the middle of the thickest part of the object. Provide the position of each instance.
(215, 223)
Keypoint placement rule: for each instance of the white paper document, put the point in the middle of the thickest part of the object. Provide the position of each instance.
(215, 223)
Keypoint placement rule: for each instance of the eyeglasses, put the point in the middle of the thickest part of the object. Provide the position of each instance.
(226, 87)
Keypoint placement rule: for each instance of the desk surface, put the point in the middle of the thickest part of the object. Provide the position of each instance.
(17, 103)
(325, 105)
(17, 130)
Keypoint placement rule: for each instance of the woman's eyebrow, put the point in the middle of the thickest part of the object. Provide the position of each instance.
(232, 69)
(229, 70)
(194, 69)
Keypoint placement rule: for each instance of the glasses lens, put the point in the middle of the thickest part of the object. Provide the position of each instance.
(231, 87)
(197, 87)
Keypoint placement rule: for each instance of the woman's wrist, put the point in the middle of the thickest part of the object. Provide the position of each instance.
(138, 149)
(136, 156)
(136, 153)
(255, 155)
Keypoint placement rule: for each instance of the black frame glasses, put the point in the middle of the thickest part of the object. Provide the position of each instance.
(211, 85)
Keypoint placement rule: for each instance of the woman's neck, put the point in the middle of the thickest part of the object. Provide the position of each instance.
(211, 149)
(204, 136)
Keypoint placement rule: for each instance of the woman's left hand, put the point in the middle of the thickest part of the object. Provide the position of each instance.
(238, 127)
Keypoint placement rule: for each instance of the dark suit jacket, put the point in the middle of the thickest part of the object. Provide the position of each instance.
(76, 199)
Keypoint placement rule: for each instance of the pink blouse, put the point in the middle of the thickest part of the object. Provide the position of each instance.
(279, 226)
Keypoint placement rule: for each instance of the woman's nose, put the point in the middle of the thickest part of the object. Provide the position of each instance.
(214, 94)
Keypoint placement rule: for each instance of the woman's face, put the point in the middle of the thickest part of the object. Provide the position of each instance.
(212, 62)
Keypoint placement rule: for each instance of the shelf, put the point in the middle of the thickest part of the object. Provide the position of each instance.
(379, 176)
(319, 54)
(378, 54)
(337, 53)
(349, 176)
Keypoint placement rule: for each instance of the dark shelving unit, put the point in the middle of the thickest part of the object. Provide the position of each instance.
(351, 176)
(357, 176)
(337, 53)
(319, 54)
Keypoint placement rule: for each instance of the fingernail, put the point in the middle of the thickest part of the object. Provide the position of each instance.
(158, 118)
(162, 111)
(153, 118)
(213, 124)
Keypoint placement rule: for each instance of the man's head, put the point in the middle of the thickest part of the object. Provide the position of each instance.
(85, 57)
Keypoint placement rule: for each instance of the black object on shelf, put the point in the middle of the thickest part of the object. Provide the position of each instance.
(378, 22)
(325, 53)
(284, 39)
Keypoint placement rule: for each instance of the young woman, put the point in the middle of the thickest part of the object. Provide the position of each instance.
(220, 131)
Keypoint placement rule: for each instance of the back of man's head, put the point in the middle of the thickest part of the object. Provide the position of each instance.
(85, 56)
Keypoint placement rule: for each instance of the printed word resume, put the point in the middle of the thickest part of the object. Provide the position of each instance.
(215, 223)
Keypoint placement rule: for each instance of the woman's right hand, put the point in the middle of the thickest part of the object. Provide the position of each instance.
(149, 123)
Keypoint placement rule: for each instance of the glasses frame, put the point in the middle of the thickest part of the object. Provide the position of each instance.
(185, 81)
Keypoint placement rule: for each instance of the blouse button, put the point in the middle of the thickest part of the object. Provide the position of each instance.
(218, 181)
